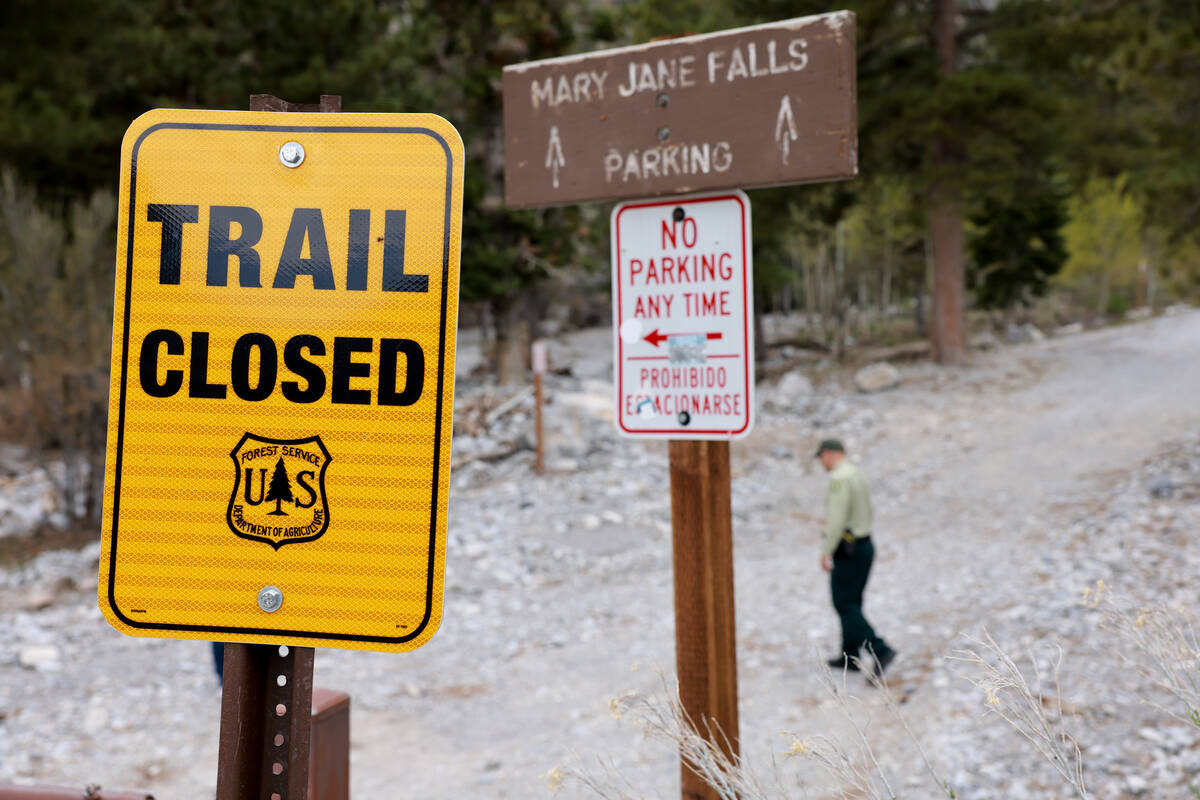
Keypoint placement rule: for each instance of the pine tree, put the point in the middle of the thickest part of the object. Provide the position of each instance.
(280, 489)
(1017, 246)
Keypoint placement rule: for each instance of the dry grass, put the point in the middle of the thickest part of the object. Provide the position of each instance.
(1161, 645)
(850, 764)
(1030, 704)
(1159, 642)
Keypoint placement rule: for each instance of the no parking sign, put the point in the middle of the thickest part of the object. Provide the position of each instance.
(682, 316)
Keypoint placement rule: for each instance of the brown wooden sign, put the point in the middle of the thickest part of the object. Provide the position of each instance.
(766, 105)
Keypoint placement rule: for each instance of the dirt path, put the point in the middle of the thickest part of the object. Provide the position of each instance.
(559, 591)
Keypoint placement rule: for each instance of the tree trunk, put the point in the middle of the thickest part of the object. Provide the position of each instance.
(512, 340)
(839, 303)
(885, 288)
(810, 295)
(947, 331)
(822, 292)
(1102, 294)
(1139, 289)
(920, 312)
(1008, 319)
(760, 333)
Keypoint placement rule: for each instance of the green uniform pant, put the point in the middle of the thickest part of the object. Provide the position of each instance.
(848, 581)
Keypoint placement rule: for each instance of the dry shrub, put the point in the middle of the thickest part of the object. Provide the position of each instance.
(1162, 646)
(1159, 642)
(850, 764)
(1030, 704)
(56, 283)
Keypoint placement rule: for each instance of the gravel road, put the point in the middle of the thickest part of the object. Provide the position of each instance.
(1003, 488)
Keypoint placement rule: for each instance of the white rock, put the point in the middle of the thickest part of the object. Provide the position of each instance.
(984, 340)
(794, 388)
(1151, 735)
(1136, 785)
(38, 599)
(1021, 334)
(42, 657)
(877, 378)
(96, 720)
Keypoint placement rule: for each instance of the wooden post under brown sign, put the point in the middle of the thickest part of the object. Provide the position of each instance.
(539, 370)
(760, 106)
(767, 105)
(705, 635)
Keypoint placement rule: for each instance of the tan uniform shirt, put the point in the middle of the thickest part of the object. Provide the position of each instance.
(847, 505)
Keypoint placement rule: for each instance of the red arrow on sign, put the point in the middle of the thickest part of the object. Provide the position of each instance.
(654, 337)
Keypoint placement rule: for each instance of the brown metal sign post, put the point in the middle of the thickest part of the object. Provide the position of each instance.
(266, 694)
(266, 707)
(766, 105)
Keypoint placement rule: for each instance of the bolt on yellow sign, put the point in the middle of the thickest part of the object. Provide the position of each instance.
(282, 378)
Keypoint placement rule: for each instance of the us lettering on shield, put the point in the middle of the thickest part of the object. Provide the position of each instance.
(279, 490)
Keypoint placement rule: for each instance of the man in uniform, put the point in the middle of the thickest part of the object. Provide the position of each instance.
(847, 553)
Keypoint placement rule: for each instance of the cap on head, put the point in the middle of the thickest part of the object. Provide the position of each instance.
(829, 444)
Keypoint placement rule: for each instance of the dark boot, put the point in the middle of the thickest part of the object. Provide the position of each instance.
(882, 660)
(844, 662)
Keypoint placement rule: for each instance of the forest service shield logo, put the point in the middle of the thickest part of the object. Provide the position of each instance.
(279, 490)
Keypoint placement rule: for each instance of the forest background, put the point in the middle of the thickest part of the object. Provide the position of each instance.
(1020, 160)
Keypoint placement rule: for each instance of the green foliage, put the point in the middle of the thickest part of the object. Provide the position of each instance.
(1016, 247)
(1175, 260)
(75, 74)
(1104, 231)
(885, 232)
(1044, 98)
(1153, 67)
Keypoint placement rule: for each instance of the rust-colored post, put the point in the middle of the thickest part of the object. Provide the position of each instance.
(705, 636)
(264, 746)
(330, 104)
(91, 792)
(537, 417)
(329, 765)
(266, 707)
(540, 359)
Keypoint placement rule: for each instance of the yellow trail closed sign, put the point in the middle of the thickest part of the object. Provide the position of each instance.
(282, 378)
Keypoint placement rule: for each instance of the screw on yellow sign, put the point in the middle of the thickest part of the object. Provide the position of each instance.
(282, 377)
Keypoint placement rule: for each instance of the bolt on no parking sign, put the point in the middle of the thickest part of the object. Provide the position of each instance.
(682, 315)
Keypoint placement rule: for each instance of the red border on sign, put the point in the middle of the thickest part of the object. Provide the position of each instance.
(745, 318)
